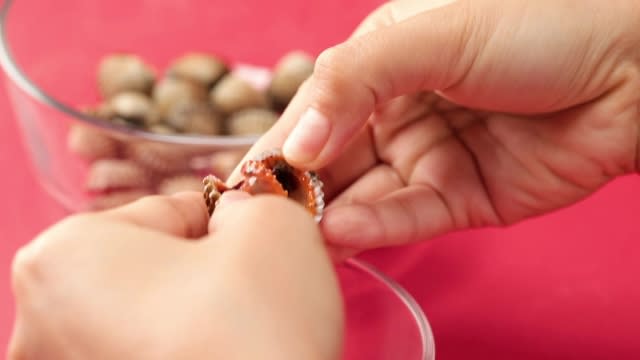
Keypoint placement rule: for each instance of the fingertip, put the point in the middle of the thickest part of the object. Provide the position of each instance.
(231, 197)
(268, 221)
(227, 200)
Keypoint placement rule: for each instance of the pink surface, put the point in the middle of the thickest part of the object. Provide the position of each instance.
(562, 286)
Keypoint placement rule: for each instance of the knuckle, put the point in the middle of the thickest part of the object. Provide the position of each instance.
(26, 271)
(328, 60)
(338, 70)
(29, 264)
(24, 262)
(332, 68)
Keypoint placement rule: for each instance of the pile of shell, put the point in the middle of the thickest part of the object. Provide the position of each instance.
(198, 95)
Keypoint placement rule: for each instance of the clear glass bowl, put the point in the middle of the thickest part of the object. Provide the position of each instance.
(383, 321)
(50, 50)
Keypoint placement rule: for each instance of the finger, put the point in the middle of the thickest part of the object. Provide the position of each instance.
(396, 11)
(358, 157)
(433, 50)
(362, 154)
(372, 186)
(274, 138)
(276, 218)
(183, 214)
(228, 198)
(21, 346)
(410, 214)
(270, 248)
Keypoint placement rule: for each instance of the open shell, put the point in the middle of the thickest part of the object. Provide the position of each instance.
(269, 173)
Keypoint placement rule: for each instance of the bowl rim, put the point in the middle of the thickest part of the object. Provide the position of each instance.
(426, 333)
(16, 74)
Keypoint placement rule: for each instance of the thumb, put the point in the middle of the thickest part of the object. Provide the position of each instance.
(271, 250)
(432, 50)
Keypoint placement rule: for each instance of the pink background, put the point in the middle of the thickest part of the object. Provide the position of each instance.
(563, 286)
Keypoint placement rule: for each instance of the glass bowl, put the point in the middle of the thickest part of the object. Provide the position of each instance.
(383, 321)
(50, 51)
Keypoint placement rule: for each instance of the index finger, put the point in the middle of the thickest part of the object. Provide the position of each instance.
(388, 14)
(276, 136)
(183, 214)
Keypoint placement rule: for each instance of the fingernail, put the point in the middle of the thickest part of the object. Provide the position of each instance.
(308, 137)
(230, 197)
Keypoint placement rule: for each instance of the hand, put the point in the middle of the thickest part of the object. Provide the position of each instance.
(145, 281)
(445, 115)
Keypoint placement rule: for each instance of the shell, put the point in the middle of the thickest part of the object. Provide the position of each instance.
(202, 68)
(124, 72)
(162, 129)
(108, 174)
(91, 144)
(289, 74)
(194, 118)
(270, 173)
(251, 122)
(159, 157)
(171, 91)
(213, 189)
(102, 111)
(233, 94)
(134, 108)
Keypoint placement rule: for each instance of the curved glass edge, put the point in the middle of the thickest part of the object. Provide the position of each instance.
(426, 333)
(15, 74)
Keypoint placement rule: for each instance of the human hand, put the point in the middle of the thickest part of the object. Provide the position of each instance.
(443, 115)
(145, 281)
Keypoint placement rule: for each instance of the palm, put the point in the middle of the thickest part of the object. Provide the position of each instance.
(560, 120)
(461, 168)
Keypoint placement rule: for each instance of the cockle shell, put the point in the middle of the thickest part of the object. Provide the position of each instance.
(269, 173)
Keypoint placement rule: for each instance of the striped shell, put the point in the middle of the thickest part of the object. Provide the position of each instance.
(269, 173)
